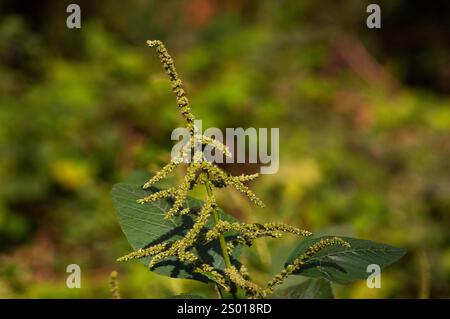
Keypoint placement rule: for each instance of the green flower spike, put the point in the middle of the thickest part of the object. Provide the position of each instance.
(202, 172)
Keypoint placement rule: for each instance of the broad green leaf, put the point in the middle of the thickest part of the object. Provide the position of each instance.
(310, 289)
(344, 265)
(144, 225)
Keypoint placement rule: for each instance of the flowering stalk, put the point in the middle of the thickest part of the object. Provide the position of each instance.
(114, 285)
(201, 171)
(223, 244)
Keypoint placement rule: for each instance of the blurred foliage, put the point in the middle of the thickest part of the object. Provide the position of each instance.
(364, 119)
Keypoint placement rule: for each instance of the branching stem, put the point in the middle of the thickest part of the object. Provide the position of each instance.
(223, 244)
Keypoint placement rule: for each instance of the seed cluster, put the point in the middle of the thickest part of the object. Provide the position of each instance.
(177, 84)
(202, 172)
(114, 285)
(238, 279)
(253, 231)
(302, 259)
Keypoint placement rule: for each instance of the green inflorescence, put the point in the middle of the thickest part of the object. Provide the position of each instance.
(200, 171)
(114, 285)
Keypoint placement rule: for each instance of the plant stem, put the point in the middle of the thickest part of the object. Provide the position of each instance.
(219, 291)
(223, 244)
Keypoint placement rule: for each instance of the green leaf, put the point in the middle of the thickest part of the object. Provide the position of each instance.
(144, 225)
(310, 289)
(344, 265)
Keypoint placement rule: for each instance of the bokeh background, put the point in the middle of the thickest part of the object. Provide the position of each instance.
(364, 118)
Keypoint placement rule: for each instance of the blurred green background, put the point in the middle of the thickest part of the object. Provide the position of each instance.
(364, 118)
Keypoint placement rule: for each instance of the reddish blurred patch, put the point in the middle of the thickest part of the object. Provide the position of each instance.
(353, 107)
(197, 13)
